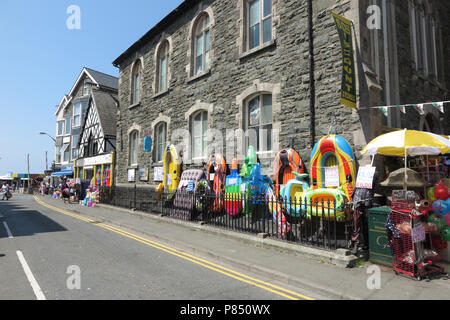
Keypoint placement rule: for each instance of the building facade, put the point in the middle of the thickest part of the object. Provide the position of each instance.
(217, 76)
(71, 113)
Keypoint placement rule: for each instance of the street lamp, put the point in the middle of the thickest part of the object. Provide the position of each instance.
(44, 133)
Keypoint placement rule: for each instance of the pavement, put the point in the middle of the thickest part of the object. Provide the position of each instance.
(286, 263)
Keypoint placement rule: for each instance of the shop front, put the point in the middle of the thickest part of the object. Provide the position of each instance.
(98, 170)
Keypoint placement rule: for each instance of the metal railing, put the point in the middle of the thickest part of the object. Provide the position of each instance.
(317, 224)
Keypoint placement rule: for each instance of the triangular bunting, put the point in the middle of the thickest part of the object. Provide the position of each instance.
(401, 108)
(439, 106)
(385, 111)
(419, 107)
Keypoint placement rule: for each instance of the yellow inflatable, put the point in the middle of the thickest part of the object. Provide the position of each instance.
(171, 171)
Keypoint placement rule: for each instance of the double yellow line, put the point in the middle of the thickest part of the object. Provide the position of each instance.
(289, 294)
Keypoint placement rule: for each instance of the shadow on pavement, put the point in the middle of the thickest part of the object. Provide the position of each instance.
(24, 221)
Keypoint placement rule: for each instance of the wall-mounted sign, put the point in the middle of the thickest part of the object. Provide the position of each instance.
(143, 174)
(158, 174)
(148, 144)
(131, 175)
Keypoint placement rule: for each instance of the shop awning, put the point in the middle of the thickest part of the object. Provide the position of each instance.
(62, 173)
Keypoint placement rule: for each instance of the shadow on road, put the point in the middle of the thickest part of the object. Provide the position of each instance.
(24, 221)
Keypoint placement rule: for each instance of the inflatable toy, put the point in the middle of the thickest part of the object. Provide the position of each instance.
(171, 172)
(446, 233)
(441, 208)
(217, 173)
(286, 162)
(293, 194)
(441, 191)
(183, 201)
(202, 190)
(261, 187)
(246, 191)
(332, 199)
(430, 194)
(447, 220)
(233, 201)
(333, 150)
(438, 221)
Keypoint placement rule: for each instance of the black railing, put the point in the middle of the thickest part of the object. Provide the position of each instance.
(318, 224)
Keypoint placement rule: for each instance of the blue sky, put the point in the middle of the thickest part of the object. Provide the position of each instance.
(40, 60)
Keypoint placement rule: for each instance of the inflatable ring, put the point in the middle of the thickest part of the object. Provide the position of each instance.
(333, 148)
(293, 195)
(315, 198)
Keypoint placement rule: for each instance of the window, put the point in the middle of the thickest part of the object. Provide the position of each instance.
(259, 22)
(133, 147)
(426, 39)
(136, 83)
(160, 138)
(199, 127)
(65, 151)
(162, 63)
(201, 44)
(78, 110)
(75, 140)
(68, 127)
(60, 128)
(86, 90)
(259, 122)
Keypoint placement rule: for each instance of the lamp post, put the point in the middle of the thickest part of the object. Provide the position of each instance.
(44, 133)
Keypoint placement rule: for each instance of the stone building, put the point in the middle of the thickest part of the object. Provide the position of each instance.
(219, 75)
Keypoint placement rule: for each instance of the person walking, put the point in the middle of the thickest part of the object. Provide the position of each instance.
(5, 190)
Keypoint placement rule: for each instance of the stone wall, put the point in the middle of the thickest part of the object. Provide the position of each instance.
(281, 68)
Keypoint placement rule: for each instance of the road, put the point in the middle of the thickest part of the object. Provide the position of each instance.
(46, 253)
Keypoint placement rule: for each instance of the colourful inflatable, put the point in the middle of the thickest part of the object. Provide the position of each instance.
(217, 173)
(171, 172)
(246, 192)
(293, 195)
(333, 151)
(233, 201)
(321, 202)
(285, 164)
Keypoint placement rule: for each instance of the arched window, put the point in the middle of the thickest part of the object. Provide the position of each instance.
(258, 122)
(259, 26)
(162, 59)
(201, 44)
(160, 140)
(136, 78)
(199, 127)
(133, 148)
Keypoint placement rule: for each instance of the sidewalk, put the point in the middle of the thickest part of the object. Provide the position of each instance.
(267, 257)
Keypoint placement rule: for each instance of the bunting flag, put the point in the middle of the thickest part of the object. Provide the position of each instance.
(385, 111)
(401, 108)
(439, 106)
(420, 107)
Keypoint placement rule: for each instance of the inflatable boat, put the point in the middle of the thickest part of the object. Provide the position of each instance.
(286, 162)
(171, 171)
(293, 194)
(217, 173)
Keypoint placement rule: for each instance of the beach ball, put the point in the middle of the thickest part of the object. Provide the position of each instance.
(441, 192)
(446, 234)
(430, 194)
(439, 243)
(441, 207)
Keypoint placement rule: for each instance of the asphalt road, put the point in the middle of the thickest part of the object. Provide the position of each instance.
(45, 254)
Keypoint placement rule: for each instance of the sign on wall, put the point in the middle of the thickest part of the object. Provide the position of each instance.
(131, 175)
(143, 174)
(348, 88)
(158, 174)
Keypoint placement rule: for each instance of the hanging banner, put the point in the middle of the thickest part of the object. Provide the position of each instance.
(348, 88)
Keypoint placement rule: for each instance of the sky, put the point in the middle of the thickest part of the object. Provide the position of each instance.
(41, 59)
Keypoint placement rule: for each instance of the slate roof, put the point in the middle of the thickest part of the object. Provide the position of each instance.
(104, 79)
(106, 104)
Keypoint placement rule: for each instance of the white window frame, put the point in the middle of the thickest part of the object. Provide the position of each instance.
(203, 136)
(133, 148)
(261, 21)
(62, 128)
(67, 126)
(64, 149)
(160, 147)
(136, 82)
(202, 29)
(163, 75)
(262, 147)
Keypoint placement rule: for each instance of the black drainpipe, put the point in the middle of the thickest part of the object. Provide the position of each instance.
(312, 88)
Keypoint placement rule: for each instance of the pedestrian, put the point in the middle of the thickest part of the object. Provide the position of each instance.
(5, 190)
